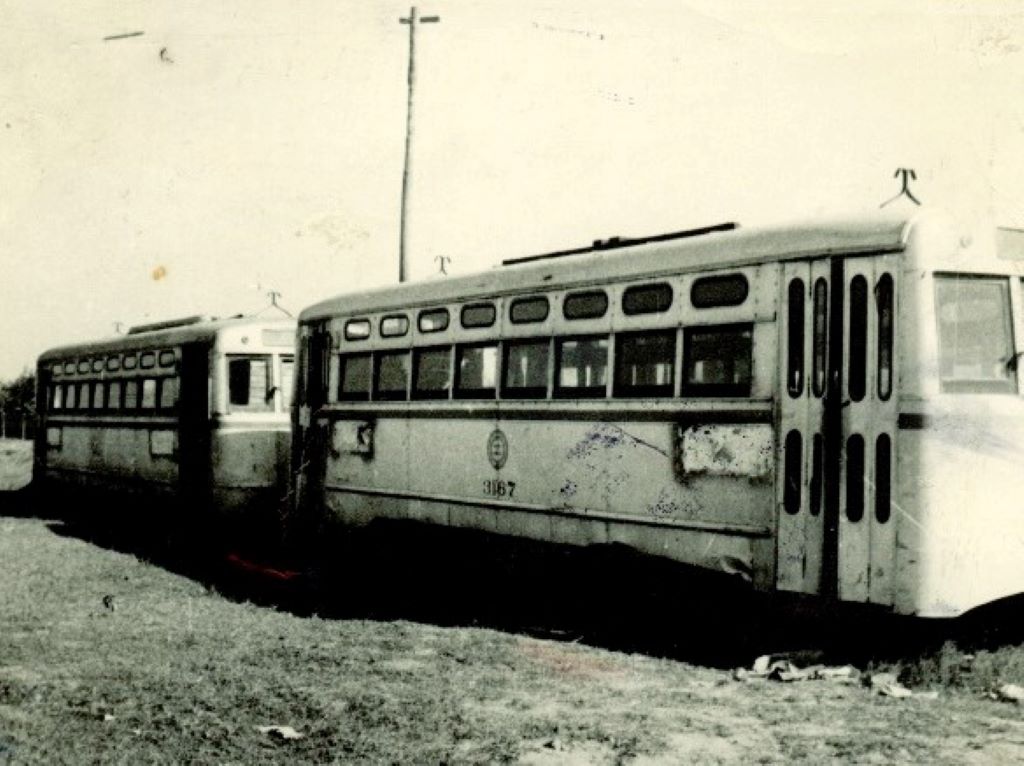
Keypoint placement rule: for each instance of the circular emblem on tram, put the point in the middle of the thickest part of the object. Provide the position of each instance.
(497, 448)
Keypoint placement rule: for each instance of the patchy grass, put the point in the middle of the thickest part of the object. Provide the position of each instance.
(105, 657)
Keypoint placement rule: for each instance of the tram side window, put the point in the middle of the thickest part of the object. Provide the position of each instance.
(476, 370)
(148, 394)
(84, 396)
(391, 376)
(526, 369)
(976, 351)
(131, 395)
(287, 380)
(718, 361)
(69, 395)
(432, 373)
(582, 365)
(56, 397)
(645, 363)
(169, 388)
(354, 377)
(98, 396)
(249, 384)
(114, 395)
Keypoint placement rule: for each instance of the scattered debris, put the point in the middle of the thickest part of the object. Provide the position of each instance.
(785, 670)
(283, 733)
(108, 603)
(107, 718)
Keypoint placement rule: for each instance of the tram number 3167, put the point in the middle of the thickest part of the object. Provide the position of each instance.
(499, 488)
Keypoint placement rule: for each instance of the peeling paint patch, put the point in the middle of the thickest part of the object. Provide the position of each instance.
(604, 436)
(744, 449)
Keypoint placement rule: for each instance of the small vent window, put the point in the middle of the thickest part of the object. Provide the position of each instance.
(528, 310)
(69, 368)
(97, 365)
(166, 358)
(114, 363)
(357, 329)
(83, 366)
(147, 361)
(586, 305)
(394, 326)
(130, 362)
(433, 320)
(478, 315)
(719, 291)
(646, 299)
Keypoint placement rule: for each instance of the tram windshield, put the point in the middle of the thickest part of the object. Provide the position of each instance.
(975, 335)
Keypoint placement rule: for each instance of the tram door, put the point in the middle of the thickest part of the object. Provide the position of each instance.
(837, 428)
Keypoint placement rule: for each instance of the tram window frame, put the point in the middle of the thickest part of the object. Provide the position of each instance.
(113, 363)
(83, 366)
(622, 388)
(857, 339)
(55, 400)
(69, 368)
(70, 396)
(287, 378)
(147, 360)
(264, 401)
(84, 395)
(166, 358)
(463, 391)
(130, 398)
(420, 391)
(391, 394)
(354, 393)
(635, 299)
(97, 364)
(885, 306)
(393, 326)
(712, 292)
(510, 391)
(795, 334)
(718, 336)
(357, 329)
(585, 304)
(478, 315)
(147, 394)
(98, 396)
(130, 362)
(425, 320)
(115, 402)
(594, 391)
(527, 305)
(819, 344)
(170, 383)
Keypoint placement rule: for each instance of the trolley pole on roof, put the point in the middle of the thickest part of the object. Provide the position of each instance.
(412, 21)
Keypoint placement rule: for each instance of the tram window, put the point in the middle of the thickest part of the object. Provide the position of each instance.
(526, 369)
(647, 299)
(391, 376)
(97, 365)
(131, 395)
(114, 363)
(585, 305)
(84, 396)
(884, 302)
(249, 384)
(645, 363)
(148, 394)
(169, 388)
(718, 361)
(855, 478)
(528, 310)
(354, 377)
(287, 380)
(976, 351)
(147, 360)
(478, 315)
(130, 362)
(56, 396)
(431, 373)
(476, 371)
(582, 365)
(858, 342)
(432, 320)
(57, 369)
(70, 389)
(793, 474)
(883, 477)
(357, 329)
(83, 366)
(394, 326)
(98, 396)
(166, 358)
(820, 359)
(114, 395)
(795, 339)
(718, 291)
(69, 368)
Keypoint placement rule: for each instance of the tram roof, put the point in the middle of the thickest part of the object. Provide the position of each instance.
(718, 249)
(205, 329)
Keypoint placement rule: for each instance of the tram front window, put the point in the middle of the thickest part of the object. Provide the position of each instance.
(975, 335)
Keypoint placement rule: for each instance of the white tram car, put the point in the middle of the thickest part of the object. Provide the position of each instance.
(829, 409)
(192, 411)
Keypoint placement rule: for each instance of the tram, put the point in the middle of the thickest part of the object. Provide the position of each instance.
(830, 409)
(188, 417)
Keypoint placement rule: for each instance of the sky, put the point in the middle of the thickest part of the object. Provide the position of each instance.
(244, 146)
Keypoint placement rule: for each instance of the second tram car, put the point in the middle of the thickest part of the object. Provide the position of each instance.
(828, 409)
(191, 411)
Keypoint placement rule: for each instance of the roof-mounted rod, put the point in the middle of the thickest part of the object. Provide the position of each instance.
(617, 242)
(168, 324)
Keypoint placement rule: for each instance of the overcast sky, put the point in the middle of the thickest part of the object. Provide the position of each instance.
(240, 146)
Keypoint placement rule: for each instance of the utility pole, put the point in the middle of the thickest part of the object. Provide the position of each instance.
(412, 21)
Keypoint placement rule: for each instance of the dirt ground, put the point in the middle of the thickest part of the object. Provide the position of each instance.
(115, 654)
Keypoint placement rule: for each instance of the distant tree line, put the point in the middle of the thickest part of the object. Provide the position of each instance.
(18, 407)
